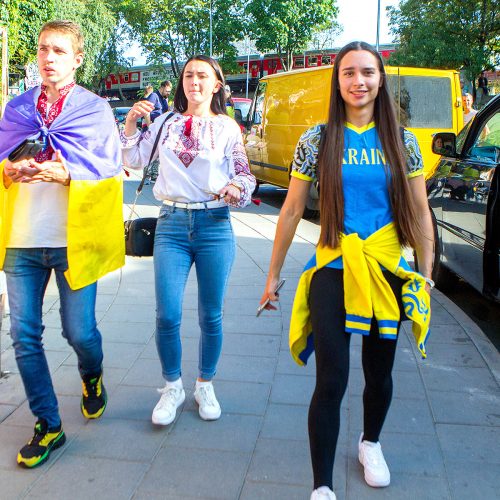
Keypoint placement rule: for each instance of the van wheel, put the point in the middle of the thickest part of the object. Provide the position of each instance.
(440, 274)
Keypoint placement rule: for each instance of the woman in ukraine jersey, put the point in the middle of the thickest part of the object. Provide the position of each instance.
(373, 202)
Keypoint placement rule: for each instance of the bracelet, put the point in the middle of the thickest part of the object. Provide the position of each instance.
(430, 282)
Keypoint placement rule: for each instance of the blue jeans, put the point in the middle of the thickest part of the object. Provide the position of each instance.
(183, 237)
(28, 271)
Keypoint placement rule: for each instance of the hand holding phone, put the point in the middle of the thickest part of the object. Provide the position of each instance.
(264, 304)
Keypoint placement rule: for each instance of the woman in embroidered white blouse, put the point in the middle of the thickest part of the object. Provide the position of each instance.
(203, 169)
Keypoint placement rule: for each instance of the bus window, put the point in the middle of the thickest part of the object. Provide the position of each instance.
(424, 101)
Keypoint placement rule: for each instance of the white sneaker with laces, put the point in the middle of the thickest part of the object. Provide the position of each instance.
(172, 396)
(209, 408)
(323, 493)
(377, 473)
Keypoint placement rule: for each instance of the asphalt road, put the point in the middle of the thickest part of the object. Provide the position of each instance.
(483, 312)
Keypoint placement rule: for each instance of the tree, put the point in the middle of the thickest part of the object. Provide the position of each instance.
(287, 26)
(174, 31)
(25, 18)
(447, 34)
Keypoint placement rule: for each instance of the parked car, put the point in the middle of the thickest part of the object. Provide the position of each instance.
(241, 108)
(121, 113)
(464, 195)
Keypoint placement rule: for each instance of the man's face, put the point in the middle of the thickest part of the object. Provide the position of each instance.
(57, 60)
(166, 91)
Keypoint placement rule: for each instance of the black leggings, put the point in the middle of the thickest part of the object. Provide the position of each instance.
(331, 344)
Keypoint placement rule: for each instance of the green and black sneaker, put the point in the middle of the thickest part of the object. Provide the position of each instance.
(45, 440)
(94, 397)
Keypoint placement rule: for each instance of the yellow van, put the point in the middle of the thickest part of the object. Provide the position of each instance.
(287, 104)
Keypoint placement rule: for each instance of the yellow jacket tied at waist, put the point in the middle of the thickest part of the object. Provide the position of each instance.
(366, 291)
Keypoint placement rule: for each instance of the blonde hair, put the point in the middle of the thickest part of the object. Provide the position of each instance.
(68, 28)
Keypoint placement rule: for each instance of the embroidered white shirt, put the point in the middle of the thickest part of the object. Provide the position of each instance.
(197, 156)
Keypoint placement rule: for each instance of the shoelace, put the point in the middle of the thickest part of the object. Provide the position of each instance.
(372, 455)
(90, 387)
(39, 434)
(207, 395)
(168, 397)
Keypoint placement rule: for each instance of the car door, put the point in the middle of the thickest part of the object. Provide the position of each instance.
(470, 213)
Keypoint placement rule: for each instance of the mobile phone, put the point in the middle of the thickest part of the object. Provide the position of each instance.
(264, 304)
(27, 149)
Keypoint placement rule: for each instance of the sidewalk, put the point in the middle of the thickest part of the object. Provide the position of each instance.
(441, 437)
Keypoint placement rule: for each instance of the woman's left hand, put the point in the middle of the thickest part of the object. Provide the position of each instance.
(231, 194)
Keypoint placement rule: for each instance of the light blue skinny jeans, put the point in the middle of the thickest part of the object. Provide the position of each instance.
(183, 237)
(28, 271)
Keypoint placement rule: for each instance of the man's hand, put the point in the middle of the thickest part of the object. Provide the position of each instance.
(49, 171)
(17, 171)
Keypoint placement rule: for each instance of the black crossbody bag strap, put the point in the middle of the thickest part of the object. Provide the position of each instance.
(147, 170)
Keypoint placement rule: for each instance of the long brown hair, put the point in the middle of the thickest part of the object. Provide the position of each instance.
(331, 155)
(218, 104)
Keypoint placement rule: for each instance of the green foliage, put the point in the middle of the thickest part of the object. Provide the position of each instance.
(287, 26)
(174, 31)
(25, 18)
(447, 34)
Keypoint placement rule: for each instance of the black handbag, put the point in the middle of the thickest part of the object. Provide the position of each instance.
(140, 232)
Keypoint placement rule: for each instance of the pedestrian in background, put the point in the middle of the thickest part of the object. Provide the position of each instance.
(372, 203)
(469, 111)
(159, 100)
(61, 212)
(203, 170)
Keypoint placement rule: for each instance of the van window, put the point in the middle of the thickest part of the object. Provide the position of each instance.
(424, 101)
(258, 104)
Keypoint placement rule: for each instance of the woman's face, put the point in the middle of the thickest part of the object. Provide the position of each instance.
(359, 79)
(199, 82)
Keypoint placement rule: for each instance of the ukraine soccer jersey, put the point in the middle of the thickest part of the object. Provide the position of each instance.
(365, 178)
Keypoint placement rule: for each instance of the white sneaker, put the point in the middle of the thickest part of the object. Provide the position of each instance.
(323, 493)
(372, 459)
(172, 396)
(209, 408)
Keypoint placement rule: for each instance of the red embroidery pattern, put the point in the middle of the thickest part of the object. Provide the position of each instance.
(188, 146)
(48, 118)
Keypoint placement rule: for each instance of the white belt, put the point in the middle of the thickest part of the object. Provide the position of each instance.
(201, 205)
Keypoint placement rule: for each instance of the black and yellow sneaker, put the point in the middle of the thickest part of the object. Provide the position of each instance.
(45, 440)
(94, 397)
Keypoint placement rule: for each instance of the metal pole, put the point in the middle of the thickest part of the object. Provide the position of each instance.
(378, 24)
(210, 28)
(248, 64)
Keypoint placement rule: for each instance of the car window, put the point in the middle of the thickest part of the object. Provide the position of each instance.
(244, 107)
(424, 101)
(487, 144)
(259, 104)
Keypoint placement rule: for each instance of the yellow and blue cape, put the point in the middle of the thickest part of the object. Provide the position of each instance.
(86, 135)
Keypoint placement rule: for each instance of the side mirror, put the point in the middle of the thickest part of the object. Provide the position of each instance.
(445, 144)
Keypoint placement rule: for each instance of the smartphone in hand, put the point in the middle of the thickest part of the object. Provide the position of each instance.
(264, 304)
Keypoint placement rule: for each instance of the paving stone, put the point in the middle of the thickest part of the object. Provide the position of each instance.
(268, 491)
(12, 390)
(128, 332)
(476, 407)
(457, 378)
(262, 325)
(77, 477)
(246, 368)
(287, 366)
(251, 345)
(124, 313)
(473, 480)
(16, 482)
(285, 422)
(232, 432)
(469, 443)
(292, 389)
(183, 473)
(145, 373)
(466, 356)
(122, 440)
